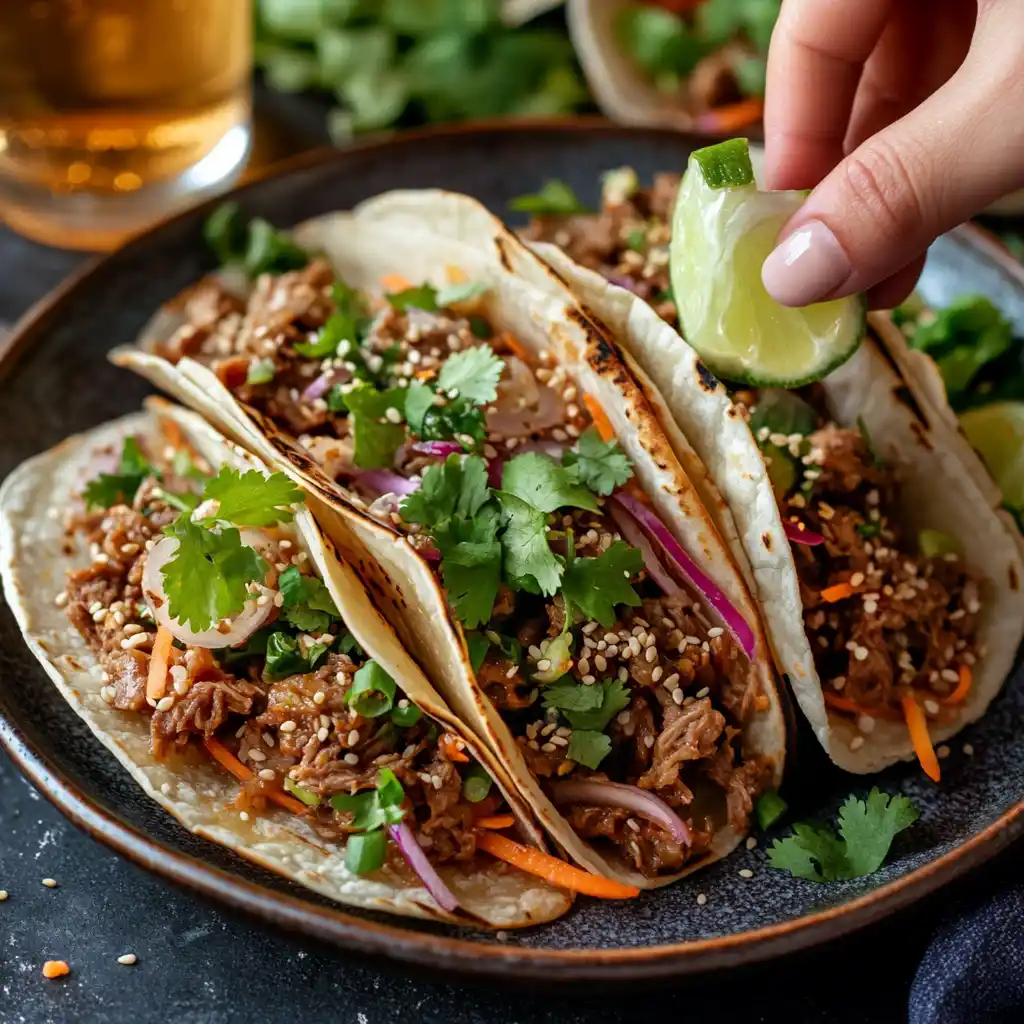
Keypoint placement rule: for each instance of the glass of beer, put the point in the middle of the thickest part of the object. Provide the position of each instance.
(114, 113)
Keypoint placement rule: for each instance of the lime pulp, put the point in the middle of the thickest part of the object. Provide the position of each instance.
(997, 432)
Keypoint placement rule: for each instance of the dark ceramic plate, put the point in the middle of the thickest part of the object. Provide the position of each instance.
(62, 383)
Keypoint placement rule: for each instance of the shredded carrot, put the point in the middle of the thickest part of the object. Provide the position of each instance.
(394, 283)
(455, 275)
(962, 687)
(730, 118)
(229, 762)
(600, 418)
(555, 871)
(917, 725)
(834, 700)
(450, 748)
(836, 593)
(518, 349)
(424, 374)
(55, 968)
(156, 683)
(495, 821)
(172, 432)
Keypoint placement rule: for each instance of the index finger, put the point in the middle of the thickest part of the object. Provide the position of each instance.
(817, 53)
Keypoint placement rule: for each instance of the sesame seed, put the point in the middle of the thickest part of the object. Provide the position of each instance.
(544, 665)
(244, 815)
(288, 726)
(256, 755)
(612, 651)
(135, 641)
(932, 707)
(678, 695)
(857, 742)
(670, 682)
(860, 653)
(127, 959)
(589, 680)
(611, 638)
(623, 675)
(584, 665)
(392, 415)
(649, 640)
(325, 721)
(353, 737)
(3, 895)
(633, 824)
(511, 672)
(322, 733)
(651, 655)
(715, 631)
(865, 723)
(590, 627)
(61, 599)
(131, 629)
(319, 697)
(942, 751)
(267, 774)
(351, 759)
(746, 873)
(50, 883)
(535, 652)
(692, 640)
(751, 842)
(165, 704)
(602, 645)
(622, 717)
(968, 750)
(601, 662)
(657, 673)
(703, 692)
(856, 579)
(701, 899)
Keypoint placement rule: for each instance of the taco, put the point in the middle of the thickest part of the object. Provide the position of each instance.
(890, 586)
(186, 606)
(478, 451)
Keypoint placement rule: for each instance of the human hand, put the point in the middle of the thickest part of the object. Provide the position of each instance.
(907, 116)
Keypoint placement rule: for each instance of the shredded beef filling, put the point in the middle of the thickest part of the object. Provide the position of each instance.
(300, 727)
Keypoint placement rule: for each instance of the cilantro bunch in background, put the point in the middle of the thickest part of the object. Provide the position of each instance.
(668, 46)
(404, 62)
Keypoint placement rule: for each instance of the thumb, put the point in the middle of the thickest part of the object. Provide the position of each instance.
(898, 191)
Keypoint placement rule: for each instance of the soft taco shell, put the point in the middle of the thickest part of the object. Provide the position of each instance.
(191, 787)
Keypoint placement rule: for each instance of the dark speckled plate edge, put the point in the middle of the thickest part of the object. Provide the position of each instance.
(465, 956)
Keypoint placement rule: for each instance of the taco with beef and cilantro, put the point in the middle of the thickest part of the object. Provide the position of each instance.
(474, 445)
(189, 610)
(890, 586)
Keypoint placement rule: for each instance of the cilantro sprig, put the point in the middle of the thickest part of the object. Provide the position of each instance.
(207, 578)
(307, 603)
(600, 465)
(109, 488)
(372, 812)
(589, 710)
(866, 831)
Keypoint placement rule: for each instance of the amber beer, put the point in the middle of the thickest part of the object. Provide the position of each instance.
(111, 111)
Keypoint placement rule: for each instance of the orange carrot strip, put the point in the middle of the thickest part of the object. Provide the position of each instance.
(394, 283)
(172, 432)
(962, 687)
(156, 682)
(555, 871)
(836, 593)
(424, 374)
(450, 748)
(55, 968)
(731, 117)
(455, 275)
(917, 725)
(230, 763)
(600, 418)
(495, 821)
(518, 349)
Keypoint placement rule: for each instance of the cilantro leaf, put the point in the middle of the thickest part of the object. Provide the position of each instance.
(528, 557)
(252, 499)
(110, 488)
(544, 484)
(374, 808)
(422, 296)
(376, 437)
(457, 419)
(307, 603)
(553, 196)
(455, 293)
(258, 246)
(471, 564)
(588, 748)
(455, 487)
(284, 656)
(346, 323)
(418, 399)
(477, 645)
(588, 707)
(597, 585)
(207, 578)
(868, 828)
(601, 466)
(473, 374)
(571, 696)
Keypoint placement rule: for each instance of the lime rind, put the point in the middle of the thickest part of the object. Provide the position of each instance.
(721, 235)
(997, 432)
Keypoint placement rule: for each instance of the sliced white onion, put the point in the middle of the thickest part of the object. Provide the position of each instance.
(417, 860)
(437, 449)
(652, 563)
(631, 798)
(237, 631)
(695, 576)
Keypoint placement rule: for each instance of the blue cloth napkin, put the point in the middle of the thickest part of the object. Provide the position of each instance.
(973, 970)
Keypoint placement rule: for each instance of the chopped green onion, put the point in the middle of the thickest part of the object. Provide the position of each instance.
(308, 797)
(406, 717)
(365, 852)
(769, 808)
(373, 691)
(476, 784)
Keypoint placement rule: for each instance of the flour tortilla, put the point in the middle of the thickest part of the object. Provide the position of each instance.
(420, 235)
(190, 787)
(938, 493)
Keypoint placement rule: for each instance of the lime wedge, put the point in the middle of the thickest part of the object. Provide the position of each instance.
(723, 228)
(997, 432)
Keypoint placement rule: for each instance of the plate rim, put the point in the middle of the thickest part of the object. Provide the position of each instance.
(468, 957)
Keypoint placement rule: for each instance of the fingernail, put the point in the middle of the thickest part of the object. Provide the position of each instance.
(808, 266)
